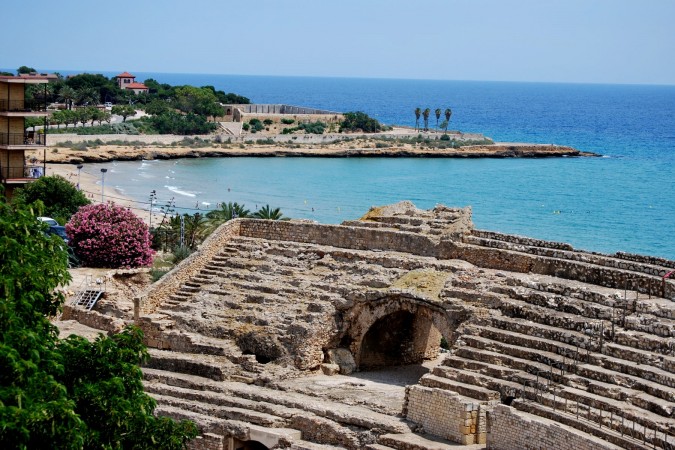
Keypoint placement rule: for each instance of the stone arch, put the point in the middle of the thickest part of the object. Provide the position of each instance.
(396, 330)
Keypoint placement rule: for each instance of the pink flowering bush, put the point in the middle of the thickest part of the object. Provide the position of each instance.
(109, 236)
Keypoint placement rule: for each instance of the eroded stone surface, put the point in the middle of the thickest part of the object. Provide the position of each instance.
(533, 324)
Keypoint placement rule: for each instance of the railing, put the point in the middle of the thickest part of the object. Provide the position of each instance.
(8, 173)
(27, 105)
(22, 139)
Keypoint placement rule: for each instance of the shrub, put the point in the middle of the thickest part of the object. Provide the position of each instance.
(109, 236)
(245, 127)
(313, 127)
(60, 198)
(445, 137)
(359, 121)
(268, 121)
(287, 121)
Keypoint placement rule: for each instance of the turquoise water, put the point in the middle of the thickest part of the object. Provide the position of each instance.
(620, 202)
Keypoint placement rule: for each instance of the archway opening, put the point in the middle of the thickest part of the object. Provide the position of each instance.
(249, 445)
(400, 338)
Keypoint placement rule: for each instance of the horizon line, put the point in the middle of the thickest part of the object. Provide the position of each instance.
(355, 77)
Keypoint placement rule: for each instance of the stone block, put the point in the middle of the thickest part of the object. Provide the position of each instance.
(330, 369)
(343, 358)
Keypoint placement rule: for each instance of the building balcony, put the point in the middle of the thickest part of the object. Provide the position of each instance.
(24, 140)
(20, 174)
(23, 106)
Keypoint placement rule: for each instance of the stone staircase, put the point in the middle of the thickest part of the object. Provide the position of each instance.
(572, 354)
(227, 407)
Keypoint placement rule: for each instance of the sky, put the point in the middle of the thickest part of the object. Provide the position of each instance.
(578, 41)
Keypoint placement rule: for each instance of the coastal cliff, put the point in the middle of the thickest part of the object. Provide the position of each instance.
(103, 153)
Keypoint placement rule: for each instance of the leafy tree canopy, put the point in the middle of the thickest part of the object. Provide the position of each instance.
(60, 198)
(69, 394)
(359, 121)
(25, 69)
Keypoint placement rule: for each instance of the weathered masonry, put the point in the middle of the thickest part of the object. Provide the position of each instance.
(548, 347)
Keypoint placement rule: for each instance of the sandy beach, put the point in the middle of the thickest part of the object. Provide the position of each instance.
(91, 186)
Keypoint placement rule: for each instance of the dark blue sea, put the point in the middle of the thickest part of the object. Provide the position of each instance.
(623, 201)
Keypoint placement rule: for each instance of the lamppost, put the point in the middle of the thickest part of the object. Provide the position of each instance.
(103, 171)
(153, 195)
(79, 167)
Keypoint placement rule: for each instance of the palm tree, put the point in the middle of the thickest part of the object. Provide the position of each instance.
(448, 114)
(270, 214)
(68, 94)
(418, 113)
(227, 211)
(438, 115)
(426, 114)
(88, 96)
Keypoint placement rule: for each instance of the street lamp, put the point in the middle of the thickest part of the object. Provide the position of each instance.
(79, 167)
(103, 171)
(153, 195)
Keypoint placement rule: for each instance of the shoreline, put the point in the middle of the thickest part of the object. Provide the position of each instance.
(90, 185)
(107, 153)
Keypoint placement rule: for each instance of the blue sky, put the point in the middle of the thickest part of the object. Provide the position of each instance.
(594, 41)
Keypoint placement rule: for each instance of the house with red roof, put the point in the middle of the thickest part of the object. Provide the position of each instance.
(127, 81)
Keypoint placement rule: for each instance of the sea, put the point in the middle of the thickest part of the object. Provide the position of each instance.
(623, 200)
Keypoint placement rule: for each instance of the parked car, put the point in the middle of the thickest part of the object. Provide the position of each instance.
(59, 231)
(108, 106)
(49, 221)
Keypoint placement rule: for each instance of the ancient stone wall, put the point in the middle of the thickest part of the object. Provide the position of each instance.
(208, 441)
(92, 319)
(190, 266)
(509, 429)
(593, 271)
(521, 240)
(340, 236)
(446, 414)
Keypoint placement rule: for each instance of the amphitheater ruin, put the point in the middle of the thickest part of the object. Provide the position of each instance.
(409, 329)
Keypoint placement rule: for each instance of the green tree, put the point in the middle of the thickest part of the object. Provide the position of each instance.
(32, 122)
(83, 115)
(448, 114)
(200, 101)
(270, 214)
(68, 95)
(418, 113)
(58, 117)
(227, 211)
(444, 126)
(124, 111)
(88, 96)
(156, 107)
(359, 121)
(437, 112)
(68, 394)
(25, 69)
(426, 113)
(60, 198)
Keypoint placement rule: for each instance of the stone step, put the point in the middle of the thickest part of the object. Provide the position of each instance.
(522, 384)
(640, 348)
(220, 411)
(568, 254)
(413, 441)
(378, 447)
(587, 426)
(349, 415)
(506, 387)
(466, 390)
(306, 445)
(604, 359)
(566, 363)
(205, 423)
(209, 366)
